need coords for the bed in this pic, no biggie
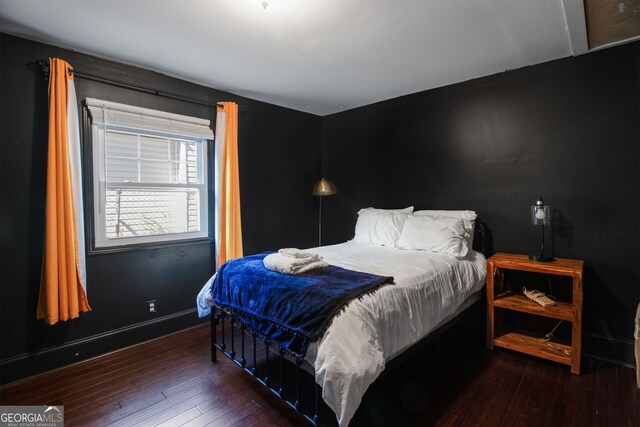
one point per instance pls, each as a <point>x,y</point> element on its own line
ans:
<point>429,290</point>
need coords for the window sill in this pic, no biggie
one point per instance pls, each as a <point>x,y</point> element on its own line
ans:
<point>147,246</point>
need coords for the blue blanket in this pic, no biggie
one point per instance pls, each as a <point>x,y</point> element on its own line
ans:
<point>290,311</point>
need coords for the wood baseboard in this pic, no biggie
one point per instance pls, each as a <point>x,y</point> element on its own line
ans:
<point>608,348</point>
<point>28,364</point>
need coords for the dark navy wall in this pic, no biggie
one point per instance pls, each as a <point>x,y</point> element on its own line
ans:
<point>567,130</point>
<point>279,160</point>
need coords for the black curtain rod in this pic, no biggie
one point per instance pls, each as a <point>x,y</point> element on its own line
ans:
<point>43,66</point>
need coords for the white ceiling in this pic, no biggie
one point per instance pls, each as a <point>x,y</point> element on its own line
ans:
<point>320,56</point>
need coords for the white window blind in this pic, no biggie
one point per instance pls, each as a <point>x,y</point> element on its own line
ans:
<point>127,116</point>
<point>149,175</point>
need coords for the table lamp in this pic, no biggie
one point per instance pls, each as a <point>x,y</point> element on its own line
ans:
<point>540,215</point>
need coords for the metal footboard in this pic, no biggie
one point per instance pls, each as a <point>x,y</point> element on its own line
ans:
<point>259,367</point>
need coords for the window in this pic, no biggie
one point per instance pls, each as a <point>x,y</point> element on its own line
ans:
<point>149,175</point>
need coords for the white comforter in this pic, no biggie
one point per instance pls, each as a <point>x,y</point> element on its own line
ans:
<point>429,289</point>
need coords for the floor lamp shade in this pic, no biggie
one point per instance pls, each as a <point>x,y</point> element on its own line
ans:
<point>321,188</point>
<point>324,187</point>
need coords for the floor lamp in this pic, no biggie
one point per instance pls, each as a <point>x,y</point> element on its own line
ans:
<point>322,188</point>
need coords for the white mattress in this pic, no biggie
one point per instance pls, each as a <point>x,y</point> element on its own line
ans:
<point>429,289</point>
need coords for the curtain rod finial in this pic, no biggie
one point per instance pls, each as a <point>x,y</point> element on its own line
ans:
<point>40,66</point>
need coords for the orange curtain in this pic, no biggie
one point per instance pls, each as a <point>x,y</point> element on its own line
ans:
<point>62,293</point>
<point>230,232</point>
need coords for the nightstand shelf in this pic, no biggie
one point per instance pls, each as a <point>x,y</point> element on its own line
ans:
<point>518,302</point>
<point>499,300</point>
<point>524,343</point>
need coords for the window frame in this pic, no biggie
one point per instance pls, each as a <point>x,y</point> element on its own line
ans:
<point>96,191</point>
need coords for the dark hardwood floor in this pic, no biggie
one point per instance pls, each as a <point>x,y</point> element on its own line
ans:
<point>172,382</point>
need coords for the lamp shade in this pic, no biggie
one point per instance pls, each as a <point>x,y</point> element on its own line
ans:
<point>324,187</point>
<point>540,213</point>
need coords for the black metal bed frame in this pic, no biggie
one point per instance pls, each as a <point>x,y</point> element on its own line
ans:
<point>219,317</point>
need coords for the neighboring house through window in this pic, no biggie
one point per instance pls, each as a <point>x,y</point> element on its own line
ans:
<point>149,175</point>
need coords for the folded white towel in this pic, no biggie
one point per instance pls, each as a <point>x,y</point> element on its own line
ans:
<point>316,264</point>
<point>297,253</point>
<point>288,265</point>
<point>291,262</point>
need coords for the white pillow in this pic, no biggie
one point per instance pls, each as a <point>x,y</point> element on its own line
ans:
<point>408,210</point>
<point>426,233</point>
<point>469,218</point>
<point>380,227</point>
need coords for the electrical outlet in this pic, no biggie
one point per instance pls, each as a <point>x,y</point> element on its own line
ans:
<point>152,307</point>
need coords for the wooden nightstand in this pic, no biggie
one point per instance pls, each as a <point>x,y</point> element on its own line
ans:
<point>571,311</point>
